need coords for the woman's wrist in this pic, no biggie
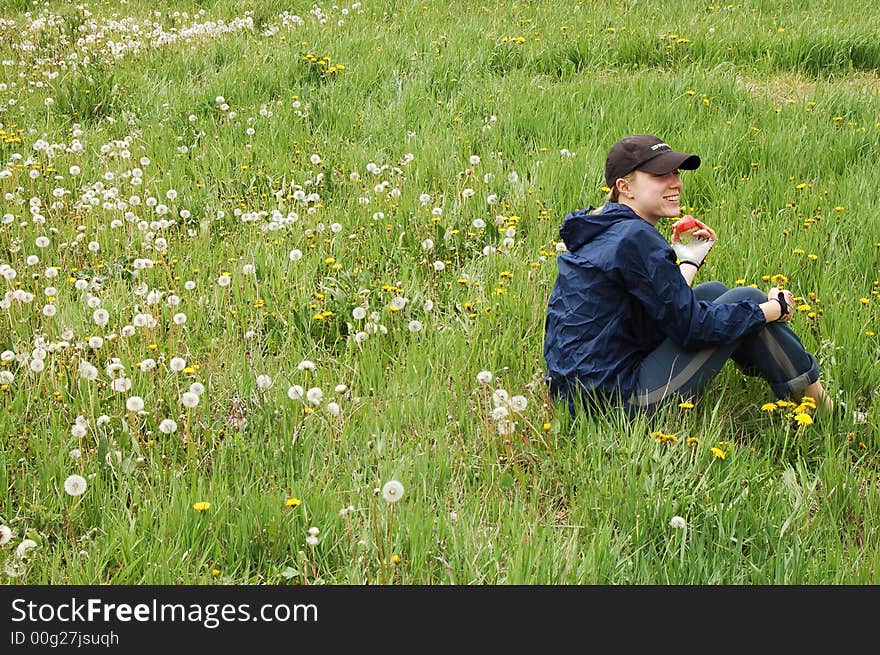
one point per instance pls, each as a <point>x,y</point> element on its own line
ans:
<point>772,309</point>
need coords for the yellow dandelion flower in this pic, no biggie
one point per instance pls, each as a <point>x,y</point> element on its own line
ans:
<point>202,506</point>
<point>803,419</point>
<point>768,407</point>
<point>395,559</point>
<point>215,572</point>
<point>693,442</point>
<point>719,454</point>
<point>686,405</point>
<point>864,301</point>
<point>292,502</point>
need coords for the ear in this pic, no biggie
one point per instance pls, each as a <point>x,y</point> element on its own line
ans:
<point>622,187</point>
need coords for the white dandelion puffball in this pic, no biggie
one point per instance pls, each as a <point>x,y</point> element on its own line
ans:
<point>677,523</point>
<point>101,317</point>
<point>78,431</point>
<point>484,377</point>
<point>518,403</point>
<point>5,534</point>
<point>177,364</point>
<point>168,426</point>
<point>189,399</point>
<point>87,371</point>
<point>392,491</point>
<point>22,549</point>
<point>499,397</point>
<point>179,318</point>
<point>500,413</point>
<point>295,255</point>
<point>306,365</point>
<point>121,385</point>
<point>415,326</point>
<point>75,453</point>
<point>505,427</point>
<point>75,485</point>
<point>197,388</point>
<point>295,392</point>
<point>315,395</point>
<point>264,382</point>
<point>359,313</point>
<point>134,404</point>
<point>224,280</point>
<point>333,408</point>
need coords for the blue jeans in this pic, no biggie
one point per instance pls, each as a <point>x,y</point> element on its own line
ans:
<point>775,354</point>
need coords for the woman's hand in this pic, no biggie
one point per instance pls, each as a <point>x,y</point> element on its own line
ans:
<point>695,228</point>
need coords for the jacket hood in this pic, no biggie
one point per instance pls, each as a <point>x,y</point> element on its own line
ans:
<point>581,226</point>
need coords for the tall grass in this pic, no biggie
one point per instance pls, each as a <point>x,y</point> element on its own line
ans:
<point>501,114</point>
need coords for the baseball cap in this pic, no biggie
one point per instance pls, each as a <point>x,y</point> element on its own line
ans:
<point>645,152</point>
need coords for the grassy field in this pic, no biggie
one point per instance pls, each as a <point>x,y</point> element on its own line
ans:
<point>264,260</point>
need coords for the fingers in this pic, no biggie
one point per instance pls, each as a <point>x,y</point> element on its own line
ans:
<point>706,233</point>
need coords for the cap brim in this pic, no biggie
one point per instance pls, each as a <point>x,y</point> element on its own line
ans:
<point>669,161</point>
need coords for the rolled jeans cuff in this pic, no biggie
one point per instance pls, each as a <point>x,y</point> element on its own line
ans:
<point>796,386</point>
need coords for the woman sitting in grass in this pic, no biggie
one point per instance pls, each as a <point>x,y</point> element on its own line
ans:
<point>624,325</point>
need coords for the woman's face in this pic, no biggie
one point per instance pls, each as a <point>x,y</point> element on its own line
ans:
<point>652,196</point>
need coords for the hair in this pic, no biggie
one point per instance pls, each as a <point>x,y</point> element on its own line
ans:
<point>613,193</point>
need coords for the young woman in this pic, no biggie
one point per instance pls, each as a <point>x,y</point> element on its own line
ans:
<point>624,325</point>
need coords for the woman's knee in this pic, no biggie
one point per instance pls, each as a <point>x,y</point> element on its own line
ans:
<point>738,294</point>
<point>709,290</point>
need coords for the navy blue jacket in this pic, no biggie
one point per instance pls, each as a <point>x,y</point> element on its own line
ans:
<point>618,294</point>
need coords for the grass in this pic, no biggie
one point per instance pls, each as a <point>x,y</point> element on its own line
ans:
<point>391,115</point>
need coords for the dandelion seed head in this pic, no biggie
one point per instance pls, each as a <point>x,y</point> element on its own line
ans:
<point>75,485</point>
<point>392,491</point>
<point>189,399</point>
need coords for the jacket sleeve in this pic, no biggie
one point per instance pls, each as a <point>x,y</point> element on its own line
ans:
<point>651,275</point>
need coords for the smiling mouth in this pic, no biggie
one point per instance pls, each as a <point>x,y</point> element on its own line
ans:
<point>671,198</point>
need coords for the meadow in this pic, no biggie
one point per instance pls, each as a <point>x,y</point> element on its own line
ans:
<point>275,276</point>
